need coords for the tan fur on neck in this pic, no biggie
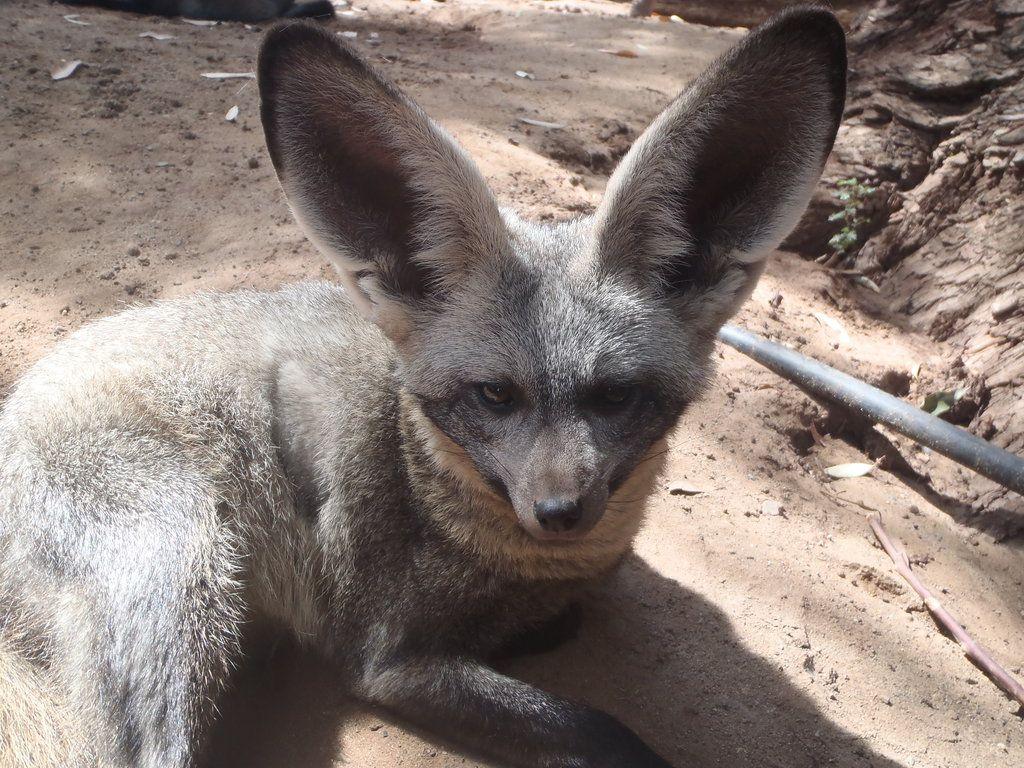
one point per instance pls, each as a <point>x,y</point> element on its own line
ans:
<point>458,497</point>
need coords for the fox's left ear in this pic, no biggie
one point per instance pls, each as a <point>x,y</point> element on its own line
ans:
<point>724,173</point>
<point>383,191</point>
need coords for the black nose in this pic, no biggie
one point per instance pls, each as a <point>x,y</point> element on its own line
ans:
<point>557,515</point>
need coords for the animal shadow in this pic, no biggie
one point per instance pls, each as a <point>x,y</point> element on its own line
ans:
<point>656,655</point>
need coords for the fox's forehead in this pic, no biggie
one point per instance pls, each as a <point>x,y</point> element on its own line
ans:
<point>550,319</point>
<point>555,248</point>
<point>552,294</point>
<point>566,301</point>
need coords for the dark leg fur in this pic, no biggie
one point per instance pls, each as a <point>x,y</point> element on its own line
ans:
<point>217,10</point>
<point>313,9</point>
<point>130,6</point>
<point>504,719</point>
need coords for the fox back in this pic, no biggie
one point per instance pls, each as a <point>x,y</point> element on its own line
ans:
<point>407,472</point>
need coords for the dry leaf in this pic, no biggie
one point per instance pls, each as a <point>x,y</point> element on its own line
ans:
<point>201,22</point>
<point>682,488</point>
<point>833,324</point>
<point>73,18</point>
<point>867,282</point>
<point>622,53</point>
<point>156,35</point>
<point>540,123</point>
<point>524,75</point>
<point>677,19</point>
<point>349,33</point>
<point>232,114</point>
<point>66,70</point>
<point>229,75</point>
<point>855,469</point>
<point>937,403</point>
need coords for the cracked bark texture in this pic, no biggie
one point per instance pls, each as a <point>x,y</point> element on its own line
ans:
<point>935,118</point>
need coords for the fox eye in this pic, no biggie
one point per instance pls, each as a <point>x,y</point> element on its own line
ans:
<point>495,396</point>
<point>614,395</point>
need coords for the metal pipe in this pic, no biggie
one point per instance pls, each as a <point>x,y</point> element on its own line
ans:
<point>958,444</point>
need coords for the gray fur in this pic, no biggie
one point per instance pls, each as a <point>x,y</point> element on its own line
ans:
<point>173,475</point>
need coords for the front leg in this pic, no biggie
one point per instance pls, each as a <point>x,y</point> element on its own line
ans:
<point>504,719</point>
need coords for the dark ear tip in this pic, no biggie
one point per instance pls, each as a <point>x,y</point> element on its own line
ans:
<point>799,20</point>
<point>816,29</point>
<point>813,25</point>
<point>298,40</point>
<point>287,34</point>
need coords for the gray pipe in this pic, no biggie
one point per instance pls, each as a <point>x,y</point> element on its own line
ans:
<point>961,446</point>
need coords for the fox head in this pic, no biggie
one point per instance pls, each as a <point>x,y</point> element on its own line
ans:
<point>552,357</point>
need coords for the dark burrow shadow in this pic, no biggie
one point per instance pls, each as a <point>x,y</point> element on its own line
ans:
<point>1003,521</point>
<point>1005,524</point>
<point>656,655</point>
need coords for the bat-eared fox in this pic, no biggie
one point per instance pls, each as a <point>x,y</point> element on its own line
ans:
<point>407,472</point>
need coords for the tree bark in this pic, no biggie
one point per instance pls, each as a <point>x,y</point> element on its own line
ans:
<point>935,119</point>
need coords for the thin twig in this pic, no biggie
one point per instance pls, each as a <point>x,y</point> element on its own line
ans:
<point>844,500</point>
<point>867,272</point>
<point>975,652</point>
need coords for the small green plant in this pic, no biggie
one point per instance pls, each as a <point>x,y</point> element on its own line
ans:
<point>853,194</point>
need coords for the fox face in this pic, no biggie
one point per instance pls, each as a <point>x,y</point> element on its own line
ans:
<point>551,360</point>
<point>554,375</point>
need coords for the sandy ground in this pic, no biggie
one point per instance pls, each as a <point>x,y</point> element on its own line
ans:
<point>732,637</point>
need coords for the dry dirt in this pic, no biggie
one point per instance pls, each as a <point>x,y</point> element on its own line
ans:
<point>731,638</point>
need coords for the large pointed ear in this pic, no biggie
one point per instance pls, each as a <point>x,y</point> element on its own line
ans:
<point>722,175</point>
<point>378,187</point>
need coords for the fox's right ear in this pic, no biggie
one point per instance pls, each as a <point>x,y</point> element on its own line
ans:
<point>379,187</point>
<point>722,175</point>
